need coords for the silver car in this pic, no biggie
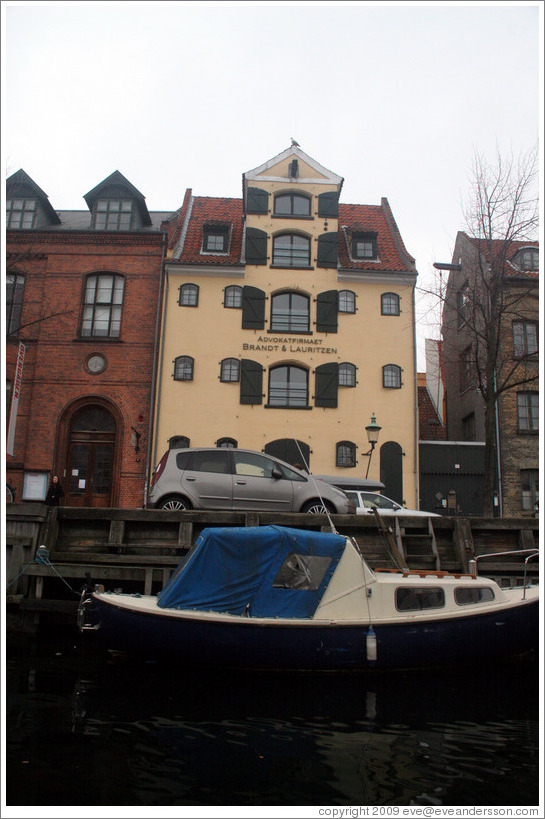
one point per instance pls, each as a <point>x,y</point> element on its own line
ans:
<point>239,479</point>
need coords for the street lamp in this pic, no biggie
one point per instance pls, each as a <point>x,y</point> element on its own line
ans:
<point>373,431</point>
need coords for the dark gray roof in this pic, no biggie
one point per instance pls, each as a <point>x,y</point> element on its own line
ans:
<point>81,220</point>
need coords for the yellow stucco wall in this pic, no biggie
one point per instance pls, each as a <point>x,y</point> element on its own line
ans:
<point>206,409</point>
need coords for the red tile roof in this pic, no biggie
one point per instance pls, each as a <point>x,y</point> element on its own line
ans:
<point>392,254</point>
<point>218,211</point>
<point>430,426</point>
<point>498,246</point>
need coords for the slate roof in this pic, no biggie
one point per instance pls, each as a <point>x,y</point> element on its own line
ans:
<point>79,220</point>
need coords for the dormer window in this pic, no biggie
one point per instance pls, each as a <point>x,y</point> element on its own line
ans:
<point>113,214</point>
<point>364,245</point>
<point>20,213</point>
<point>215,239</point>
<point>527,259</point>
<point>291,204</point>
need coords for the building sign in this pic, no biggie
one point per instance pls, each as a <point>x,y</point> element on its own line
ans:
<point>10,445</point>
<point>272,344</point>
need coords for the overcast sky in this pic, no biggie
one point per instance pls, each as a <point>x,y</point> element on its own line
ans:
<point>394,98</point>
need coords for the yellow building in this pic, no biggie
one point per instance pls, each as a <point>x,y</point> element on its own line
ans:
<point>288,321</point>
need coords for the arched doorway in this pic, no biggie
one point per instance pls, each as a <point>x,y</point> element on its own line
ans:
<point>290,451</point>
<point>91,454</point>
<point>391,470</point>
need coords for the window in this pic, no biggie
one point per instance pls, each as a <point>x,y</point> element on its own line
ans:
<point>15,285</point>
<point>178,442</point>
<point>232,296</point>
<point>466,369</point>
<point>474,594</point>
<point>347,301</point>
<point>290,313</point>
<point>20,213</point>
<point>291,250</point>
<point>227,443</point>
<point>364,245</point>
<point>291,204</point>
<point>189,295</point>
<point>529,479</point>
<point>347,375</point>
<point>389,304</point>
<point>462,304</point>
<point>391,377</point>
<point>210,461</point>
<point>251,463</point>
<point>528,259</point>
<point>113,214</point>
<point>468,427</point>
<point>215,239</point>
<point>346,454</point>
<point>524,339</point>
<point>303,572</point>
<point>102,306</point>
<point>288,387</point>
<point>528,411</point>
<point>183,368</point>
<point>416,599</point>
<point>230,370</point>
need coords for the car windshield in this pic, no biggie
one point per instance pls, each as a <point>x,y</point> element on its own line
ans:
<point>372,501</point>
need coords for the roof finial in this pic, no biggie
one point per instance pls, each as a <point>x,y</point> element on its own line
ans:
<point>294,143</point>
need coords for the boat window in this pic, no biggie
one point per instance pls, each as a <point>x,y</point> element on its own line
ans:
<point>304,572</point>
<point>414,598</point>
<point>465,596</point>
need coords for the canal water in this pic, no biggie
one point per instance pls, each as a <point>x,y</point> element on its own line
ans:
<point>85,727</point>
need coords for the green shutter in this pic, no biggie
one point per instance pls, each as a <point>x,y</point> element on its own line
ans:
<point>256,246</point>
<point>328,204</point>
<point>253,308</point>
<point>328,250</point>
<point>257,201</point>
<point>327,385</point>
<point>251,382</point>
<point>327,309</point>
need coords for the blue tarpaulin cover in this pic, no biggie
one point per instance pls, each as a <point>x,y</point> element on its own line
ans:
<point>261,571</point>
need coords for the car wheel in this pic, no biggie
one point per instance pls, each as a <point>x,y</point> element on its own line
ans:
<point>174,503</point>
<point>317,507</point>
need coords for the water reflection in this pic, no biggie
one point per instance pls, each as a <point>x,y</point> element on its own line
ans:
<point>99,729</point>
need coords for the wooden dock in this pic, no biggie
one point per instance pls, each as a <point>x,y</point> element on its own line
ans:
<point>137,550</point>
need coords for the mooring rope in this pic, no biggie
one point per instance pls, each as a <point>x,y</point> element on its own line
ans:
<point>43,557</point>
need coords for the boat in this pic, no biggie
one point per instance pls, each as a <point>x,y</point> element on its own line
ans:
<point>274,597</point>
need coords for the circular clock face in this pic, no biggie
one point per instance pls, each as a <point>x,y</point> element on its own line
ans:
<point>96,363</point>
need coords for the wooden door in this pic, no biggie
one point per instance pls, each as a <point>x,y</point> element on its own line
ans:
<point>90,459</point>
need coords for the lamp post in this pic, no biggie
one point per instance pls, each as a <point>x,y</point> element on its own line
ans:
<point>373,431</point>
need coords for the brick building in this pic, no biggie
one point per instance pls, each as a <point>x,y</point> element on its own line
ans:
<point>517,409</point>
<point>82,292</point>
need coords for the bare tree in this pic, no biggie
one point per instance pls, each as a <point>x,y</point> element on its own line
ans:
<point>489,290</point>
<point>15,261</point>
